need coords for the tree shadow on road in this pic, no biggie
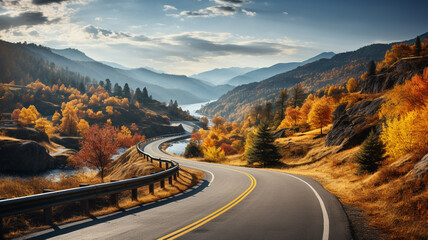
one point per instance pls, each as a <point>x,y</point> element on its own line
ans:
<point>71,227</point>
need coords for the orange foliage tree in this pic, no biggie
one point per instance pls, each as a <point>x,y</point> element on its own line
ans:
<point>293,114</point>
<point>28,115</point>
<point>320,114</point>
<point>351,86</point>
<point>98,146</point>
<point>69,120</point>
<point>45,126</point>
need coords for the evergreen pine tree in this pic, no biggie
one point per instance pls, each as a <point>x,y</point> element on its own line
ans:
<point>138,95</point>
<point>127,91</point>
<point>281,102</point>
<point>117,90</point>
<point>417,47</point>
<point>263,150</point>
<point>108,85</point>
<point>370,154</point>
<point>145,95</point>
<point>101,83</point>
<point>82,88</point>
<point>371,70</point>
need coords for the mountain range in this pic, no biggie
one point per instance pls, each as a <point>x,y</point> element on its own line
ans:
<point>267,72</point>
<point>221,75</point>
<point>162,87</point>
<point>312,76</point>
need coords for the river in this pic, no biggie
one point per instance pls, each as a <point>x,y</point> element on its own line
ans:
<point>178,147</point>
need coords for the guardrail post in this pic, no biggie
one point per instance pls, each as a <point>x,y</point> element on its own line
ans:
<point>160,164</point>
<point>162,183</point>
<point>170,180</point>
<point>151,159</point>
<point>166,165</point>
<point>134,194</point>
<point>152,189</point>
<point>2,232</point>
<point>175,176</point>
<point>84,203</point>
<point>47,212</point>
<point>114,198</point>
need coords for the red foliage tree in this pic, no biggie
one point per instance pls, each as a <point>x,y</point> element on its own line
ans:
<point>98,146</point>
<point>227,149</point>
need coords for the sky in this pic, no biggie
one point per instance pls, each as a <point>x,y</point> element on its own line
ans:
<point>191,36</point>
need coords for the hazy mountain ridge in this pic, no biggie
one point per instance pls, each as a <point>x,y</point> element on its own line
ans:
<point>313,76</point>
<point>72,54</point>
<point>264,73</point>
<point>221,75</point>
<point>162,86</point>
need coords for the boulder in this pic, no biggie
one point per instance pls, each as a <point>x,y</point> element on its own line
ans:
<point>68,142</point>
<point>420,168</point>
<point>26,133</point>
<point>350,127</point>
<point>24,157</point>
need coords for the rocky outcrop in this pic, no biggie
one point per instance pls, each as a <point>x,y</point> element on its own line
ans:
<point>26,157</point>
<point>68,142</point>
<point>395,75</point>
<point>420,168</point>
<point>26,133</point>
<point>351,127</point>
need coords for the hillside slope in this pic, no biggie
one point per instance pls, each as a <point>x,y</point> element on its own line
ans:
<point>313,76</point>
<point>267,72</point>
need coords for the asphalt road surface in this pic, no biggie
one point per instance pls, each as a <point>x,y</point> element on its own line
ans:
<point>229,203</point>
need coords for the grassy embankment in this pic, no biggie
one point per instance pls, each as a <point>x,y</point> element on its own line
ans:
<point>126,166</point>
<point>391,199</point>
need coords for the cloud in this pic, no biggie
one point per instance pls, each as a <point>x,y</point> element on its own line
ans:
<point>45,2</point>
<point>169,7</point>
<point>97,32</point>
<point>285,13</point>
<point>232,2</point>
<point>249,13</point>
<point>23,19</point>
<point>209,12</point>
<point>34,33</point>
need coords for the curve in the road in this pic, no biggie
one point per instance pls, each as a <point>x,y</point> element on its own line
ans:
<point>215,214</point>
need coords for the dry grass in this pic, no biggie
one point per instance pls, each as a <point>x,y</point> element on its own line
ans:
<point>128,165</point>
<point>395,203</point>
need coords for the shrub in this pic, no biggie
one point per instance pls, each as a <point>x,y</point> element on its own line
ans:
<point>213,154</point>
<point>193,150</point>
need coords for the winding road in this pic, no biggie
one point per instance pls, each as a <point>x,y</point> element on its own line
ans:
<point>229,203</point>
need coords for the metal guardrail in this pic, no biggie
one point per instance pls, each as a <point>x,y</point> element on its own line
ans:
<point>46,201</point>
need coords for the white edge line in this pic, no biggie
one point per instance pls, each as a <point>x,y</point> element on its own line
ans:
<point>323,209</point>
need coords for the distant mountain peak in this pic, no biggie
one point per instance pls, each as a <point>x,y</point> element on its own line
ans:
<point>73,54</point>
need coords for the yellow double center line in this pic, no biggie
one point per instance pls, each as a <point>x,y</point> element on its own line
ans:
<point>217,213</point>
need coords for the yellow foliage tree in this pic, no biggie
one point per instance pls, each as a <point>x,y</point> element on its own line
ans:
<point>351,86</point>
<point>56,118</point>
<point>45,126</point>
<point>320,114</point>
<point>109,110</point>
<point>406,134</point>
<point>28,115</point>
<point>213,154</point>
<point>82,126</point>
<point>69,120</point>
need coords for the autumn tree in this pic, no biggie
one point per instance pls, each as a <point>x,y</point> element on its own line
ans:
<point>56,118</point>
<point>293,114</point>
<point>263,149</point>
<point>82,126</point>
<point>213,154</point>
<point>371,154</point>
<point>15,114</point>
<point>351,86</point>
<point>97,148</point>
<point>28,115</point>
<point>297,95</point>
<point>320,114</point>
<point>69,120</point>
<point>44,125</point>
<point>217,121</point>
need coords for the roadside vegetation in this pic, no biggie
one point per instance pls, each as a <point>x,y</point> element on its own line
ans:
<point>380,166</point>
